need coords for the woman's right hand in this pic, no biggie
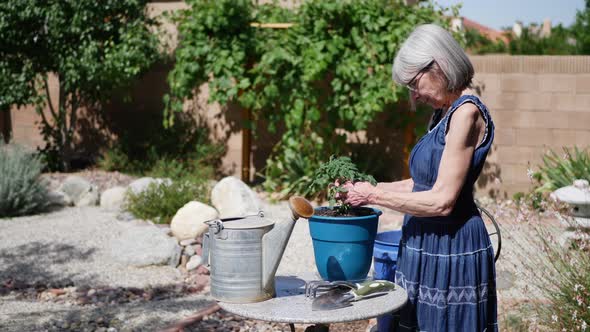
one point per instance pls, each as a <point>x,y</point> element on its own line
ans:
<point>340,195</point>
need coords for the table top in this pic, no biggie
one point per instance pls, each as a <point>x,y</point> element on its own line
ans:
<point>291,306</point>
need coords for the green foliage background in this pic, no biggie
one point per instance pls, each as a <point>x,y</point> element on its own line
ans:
<point>92,48</point>
<point>333,67</point>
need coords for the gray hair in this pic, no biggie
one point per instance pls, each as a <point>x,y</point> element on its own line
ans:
<point>428,43</point>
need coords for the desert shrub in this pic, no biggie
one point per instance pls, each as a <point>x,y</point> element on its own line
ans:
<point>564,282</point>
<point>553,268</point>
<point>560,171</point>
<point>175,152</point>
<point>556,171</point>
<point>22,192</point>
<point>160,202</point>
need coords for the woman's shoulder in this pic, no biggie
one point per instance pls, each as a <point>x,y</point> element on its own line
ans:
<point>470,108</point>
<point>469,98</point>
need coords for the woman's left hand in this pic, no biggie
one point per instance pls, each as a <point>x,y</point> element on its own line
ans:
<point>360,193</point>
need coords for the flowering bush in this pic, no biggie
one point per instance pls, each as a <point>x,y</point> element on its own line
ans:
<point>557,270</point>
<point>567,287</point>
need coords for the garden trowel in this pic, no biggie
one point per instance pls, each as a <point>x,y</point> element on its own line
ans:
<point>343,297</point>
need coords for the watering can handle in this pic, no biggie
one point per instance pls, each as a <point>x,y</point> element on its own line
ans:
<point>205,252</point>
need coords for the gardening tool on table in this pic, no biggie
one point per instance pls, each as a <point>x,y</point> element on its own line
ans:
<point>341,294</point>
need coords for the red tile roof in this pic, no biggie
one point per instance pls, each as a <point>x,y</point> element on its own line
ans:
<point>486,31</point>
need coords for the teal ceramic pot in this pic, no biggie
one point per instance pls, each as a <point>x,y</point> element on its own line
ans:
<point>343,246</point>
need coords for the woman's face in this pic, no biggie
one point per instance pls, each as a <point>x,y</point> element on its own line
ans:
<point>429,89</point>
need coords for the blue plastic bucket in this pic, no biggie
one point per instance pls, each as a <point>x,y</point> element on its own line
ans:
<point>343,246</point>
<point>384,264</point>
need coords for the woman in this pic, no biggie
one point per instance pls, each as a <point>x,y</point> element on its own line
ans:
<point>446,260</point>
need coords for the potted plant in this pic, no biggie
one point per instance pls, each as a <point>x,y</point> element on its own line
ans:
<point>343,236</point>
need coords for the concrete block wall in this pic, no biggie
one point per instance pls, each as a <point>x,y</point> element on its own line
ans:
<point>537,103</point>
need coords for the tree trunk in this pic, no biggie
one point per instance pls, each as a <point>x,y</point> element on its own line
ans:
<point>6,124</point>
<point>64,141</point>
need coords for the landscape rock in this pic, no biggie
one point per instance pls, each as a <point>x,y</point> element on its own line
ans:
<point>189,251</point>
<point>188,222</point>
<point>91,198</point>
<point>188,242</point>
<point>79,191</point>
<point>113,199</point>
<point>233,198</point>
<point>142,184</point>
<point>58,198</point>
<point>194,262</point>
<point>143,246</point>
<point>125,216</point>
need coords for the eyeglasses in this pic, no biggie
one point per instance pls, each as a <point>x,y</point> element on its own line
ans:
<point>413,84</point>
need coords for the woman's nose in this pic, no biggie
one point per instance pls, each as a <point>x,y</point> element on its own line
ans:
<point>414,95</point>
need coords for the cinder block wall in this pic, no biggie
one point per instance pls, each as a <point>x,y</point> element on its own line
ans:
<point>537,103</point>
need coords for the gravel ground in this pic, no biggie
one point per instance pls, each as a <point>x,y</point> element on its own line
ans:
<point>56,273</point>
<point>70,247</point>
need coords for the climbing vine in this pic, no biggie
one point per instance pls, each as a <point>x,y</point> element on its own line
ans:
<point>331,70</point>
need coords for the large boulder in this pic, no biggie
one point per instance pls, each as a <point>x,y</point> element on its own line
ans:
<point>113,198</point>
<point>79,191</point>
<point>59,199</point>
<point>188,223</point>
<point>233,198</point>
<point>144,245</point>
<point>141,184</point>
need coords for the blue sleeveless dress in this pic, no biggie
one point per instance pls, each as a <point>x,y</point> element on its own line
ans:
<point>446,264</point>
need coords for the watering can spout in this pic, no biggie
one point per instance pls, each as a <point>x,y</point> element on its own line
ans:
<point>275,241</point>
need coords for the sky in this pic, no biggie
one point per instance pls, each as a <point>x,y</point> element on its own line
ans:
<point>499,14</point>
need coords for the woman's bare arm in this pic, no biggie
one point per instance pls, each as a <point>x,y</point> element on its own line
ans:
<point>404,186</point>
<point>464,131</point>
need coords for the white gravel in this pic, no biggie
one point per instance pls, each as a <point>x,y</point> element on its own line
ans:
<point>70,248</point>
<point>71,245</point>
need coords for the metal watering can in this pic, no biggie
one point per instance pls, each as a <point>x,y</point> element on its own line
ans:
<point>243,253</point>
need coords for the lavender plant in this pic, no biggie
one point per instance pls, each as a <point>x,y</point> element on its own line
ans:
<point>21,190</point>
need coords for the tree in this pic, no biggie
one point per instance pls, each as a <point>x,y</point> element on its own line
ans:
<point>530,43</point>
<point>581,29</point>
<point>91,47</point>
<point>477,43</point>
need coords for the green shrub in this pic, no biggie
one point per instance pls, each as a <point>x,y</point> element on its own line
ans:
<point>175,152</point>
<point>560,171</point>
<point>290,173</point>
<point>160,202</point>
<point>21,190</point>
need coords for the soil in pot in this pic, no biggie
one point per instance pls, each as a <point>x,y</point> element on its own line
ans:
<point>352,212</point>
